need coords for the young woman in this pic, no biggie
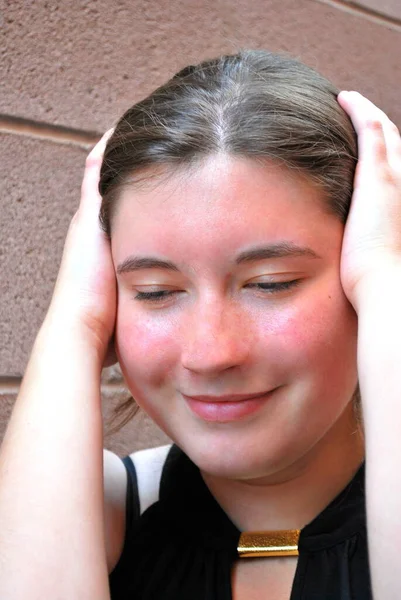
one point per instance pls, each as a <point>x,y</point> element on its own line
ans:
<point>249,302</point>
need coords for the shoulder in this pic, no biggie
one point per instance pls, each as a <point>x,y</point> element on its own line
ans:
<point>131,485</point>
<point>148,465</point>
<point>141,471</point>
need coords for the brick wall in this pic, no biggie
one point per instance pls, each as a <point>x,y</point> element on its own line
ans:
<point>70,68</point>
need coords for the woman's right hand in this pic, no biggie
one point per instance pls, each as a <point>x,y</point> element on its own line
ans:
<point>84,296</point>
<point>57,421</point>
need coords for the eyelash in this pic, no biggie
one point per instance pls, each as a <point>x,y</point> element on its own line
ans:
<point>272,289</point>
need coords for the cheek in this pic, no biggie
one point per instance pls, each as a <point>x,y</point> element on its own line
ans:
<point>317,336</point>
<point>145,345</point>
<point>321,337</point>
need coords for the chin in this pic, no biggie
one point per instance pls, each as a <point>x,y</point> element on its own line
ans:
<point>238,458</point>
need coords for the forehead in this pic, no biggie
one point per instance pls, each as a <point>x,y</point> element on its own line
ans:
<point>224,199</point>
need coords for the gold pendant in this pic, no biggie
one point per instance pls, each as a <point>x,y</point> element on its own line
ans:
<point>253,544</point>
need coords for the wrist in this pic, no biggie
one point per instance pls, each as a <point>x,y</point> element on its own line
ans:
<point>65,337</point>
<point>381,288</point>
<point>62,361</point>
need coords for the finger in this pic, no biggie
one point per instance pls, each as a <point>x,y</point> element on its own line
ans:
<point>393,144</point>
<point>392,139</point>
<point>90,196</point>
<point>367,120</point>
<point>372,160</point>
<point>98,148</point>
<point>362,112</point>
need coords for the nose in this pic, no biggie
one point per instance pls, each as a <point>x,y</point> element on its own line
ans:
<point>216,338</point>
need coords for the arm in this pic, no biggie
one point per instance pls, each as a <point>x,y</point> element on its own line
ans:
<point>52,542</point>
<point>371,279</point>
<point>51,484</point>
<point>379,367</point>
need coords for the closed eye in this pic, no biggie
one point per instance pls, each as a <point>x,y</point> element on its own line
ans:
<point>264,287</point>
<point>271,288</point>
<point>155,296</point>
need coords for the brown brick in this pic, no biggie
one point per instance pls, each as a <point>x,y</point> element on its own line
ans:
<point>83,64</point>
<point>41,185</point>
<point>112,375</point>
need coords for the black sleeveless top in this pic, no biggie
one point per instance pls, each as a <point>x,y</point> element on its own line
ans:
<point>183,546</point>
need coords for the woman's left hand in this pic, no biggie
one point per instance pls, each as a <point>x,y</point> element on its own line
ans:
<point>371,248</point>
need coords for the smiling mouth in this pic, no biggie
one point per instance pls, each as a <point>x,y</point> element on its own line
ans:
<point>227,397</point>
<point>223,409</point>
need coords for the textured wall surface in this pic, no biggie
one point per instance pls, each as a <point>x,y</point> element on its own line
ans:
<point>68,71</point>
<point>389,8</point>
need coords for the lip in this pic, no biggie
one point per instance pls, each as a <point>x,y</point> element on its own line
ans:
<point>224,409</point>
<point>227,398</point>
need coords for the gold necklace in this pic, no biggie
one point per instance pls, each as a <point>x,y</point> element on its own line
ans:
<point>253,544</point>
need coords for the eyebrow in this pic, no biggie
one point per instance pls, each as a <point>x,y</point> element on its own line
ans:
<point>137,263</point>
<point>278,250</point>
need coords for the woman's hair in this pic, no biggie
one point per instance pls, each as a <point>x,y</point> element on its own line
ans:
<point>253,104</point>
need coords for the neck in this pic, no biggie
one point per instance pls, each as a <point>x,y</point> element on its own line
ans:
<point>298,493</point>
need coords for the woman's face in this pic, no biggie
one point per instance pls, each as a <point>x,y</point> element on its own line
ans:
<point>206,308</point>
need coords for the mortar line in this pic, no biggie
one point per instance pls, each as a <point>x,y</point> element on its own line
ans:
<point>58,134</point>
<point>366,13</point>
<point>11,385</point>
<point>114,386</point>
